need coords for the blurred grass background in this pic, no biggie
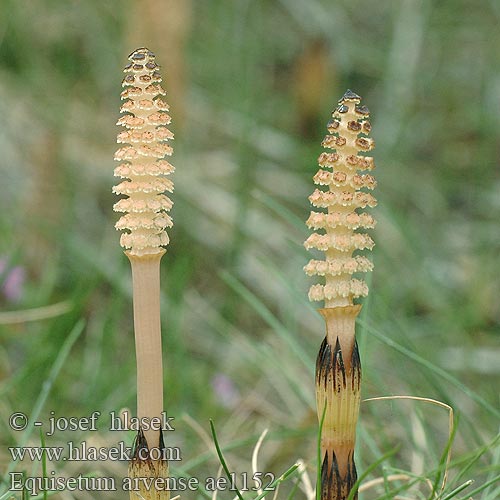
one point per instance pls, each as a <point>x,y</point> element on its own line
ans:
<point>251,85</point>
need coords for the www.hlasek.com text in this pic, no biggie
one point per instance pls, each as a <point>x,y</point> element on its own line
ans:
<point>82,452</point>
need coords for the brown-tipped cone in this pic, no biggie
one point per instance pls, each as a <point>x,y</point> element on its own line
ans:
<point>142,165</point>
<point>343,197</point>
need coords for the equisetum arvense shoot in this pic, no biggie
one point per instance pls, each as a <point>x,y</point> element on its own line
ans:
<point>340,225</point>
<point>144,170</point>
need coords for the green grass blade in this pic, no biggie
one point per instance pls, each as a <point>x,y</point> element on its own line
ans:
<point>471,494</point>
<point>221,458</point>
<point>46,387</point>
<point>433,368</point>
<point>269,318</point>
<point>44,462</point>
<point>319,458</point>
<point>294,490</point>
<point>373,466</point>
<point>277,481</point>
<point>472,460</point>
<point>442,472</point>
<point>457,490</point>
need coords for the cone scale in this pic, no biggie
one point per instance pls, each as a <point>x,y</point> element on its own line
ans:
<point>342,199</point>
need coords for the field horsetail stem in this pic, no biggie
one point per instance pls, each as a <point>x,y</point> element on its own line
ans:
<point>338,368</point>
<point>143,169</point>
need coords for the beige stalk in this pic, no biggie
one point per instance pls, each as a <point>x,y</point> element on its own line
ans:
<point>338,368</point>
<point>144,221</point>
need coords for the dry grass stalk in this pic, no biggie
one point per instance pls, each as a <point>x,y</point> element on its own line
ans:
<point>145,220</point>
<point>338,368</point>
<point>451,432</point>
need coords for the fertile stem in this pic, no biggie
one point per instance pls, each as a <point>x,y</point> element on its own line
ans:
<point>338,367</point>
<point>147,327</point>
<point>338,378</point>
<point>145,219</point>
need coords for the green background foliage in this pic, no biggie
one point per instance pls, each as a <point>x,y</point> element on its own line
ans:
<point>252,85</point>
